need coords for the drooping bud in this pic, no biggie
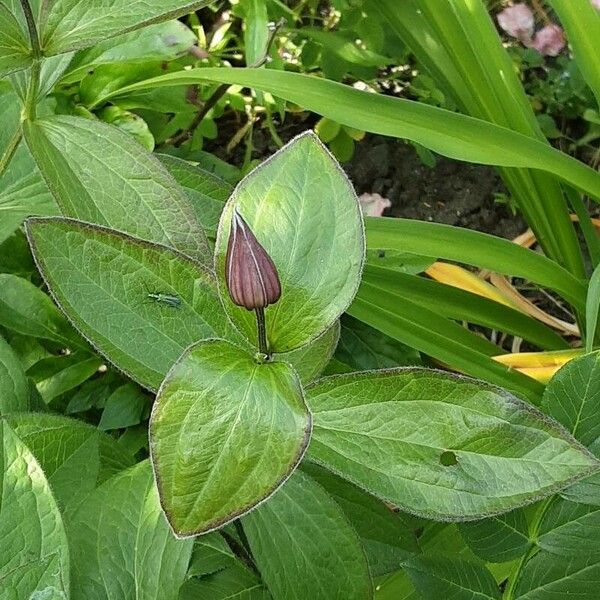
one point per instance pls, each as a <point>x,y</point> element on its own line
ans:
<point>250,274</point>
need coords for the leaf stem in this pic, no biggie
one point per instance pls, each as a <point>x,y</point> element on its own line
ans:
<point>10,150</point>
<point>533,548</point>
<point>263,347</point>
<point>36,52</point>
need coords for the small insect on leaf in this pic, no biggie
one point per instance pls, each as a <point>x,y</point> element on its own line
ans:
<point>168,299</point>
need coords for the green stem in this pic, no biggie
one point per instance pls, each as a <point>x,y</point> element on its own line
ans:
<point>509,592</point>
<point>36,52</point>
<point>10,150</point>
<point>263,348</point>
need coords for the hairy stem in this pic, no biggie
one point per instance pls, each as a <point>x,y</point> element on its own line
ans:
<point>263,347</point>
<point>36,52</point>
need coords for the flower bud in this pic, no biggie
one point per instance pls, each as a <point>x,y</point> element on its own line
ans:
<point>250,274</point>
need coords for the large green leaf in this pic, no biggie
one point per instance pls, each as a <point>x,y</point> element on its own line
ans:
<point>34,555</point>
<point>100,175</point>
<point>447,133</point>
<point>70,24</point>
<point>101,279</point>
<point>207,192</point>
<point>441,577</point>
<point>14,389</point>
<point>161,42</point>
<point>75,456</point>
<point>304,546</point>
<point>303,210</point>
<point>573,398</point>
<point>225,433</point>
<point>233,583</point>
<point>121,543</point>
<point>438,445</point>
<point>386,538</point>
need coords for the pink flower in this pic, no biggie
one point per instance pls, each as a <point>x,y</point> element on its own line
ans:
<point>517,21</point>
<point>548,41</point>
<point>596,3</point>
<point>373,205</point>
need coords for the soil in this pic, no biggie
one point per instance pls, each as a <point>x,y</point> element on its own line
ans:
<point>451,192</point>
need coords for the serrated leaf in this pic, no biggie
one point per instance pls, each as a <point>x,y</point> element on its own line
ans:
<point>225,432</point>
<point>14,388</point>
<point>75,456</point>
<point>303,210</point>
<point>162,41</point>
<point>498,539</point>
<point>387,540</point>
<point>439,445</point>
<point>573,398</point>
<point>100,175</point>
<point>207,192</point>
<point>451,579</point>
<point>34,555</point>
<point>305,547</point>
<point>122,546</point>
<point>101,279</point>
<point>70,24</point>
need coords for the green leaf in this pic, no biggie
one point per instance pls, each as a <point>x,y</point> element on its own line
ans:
<point>101,279</point>
<point>55,375</point>
<point>70,24</point>
<point>303,210</point>
<point>437,577</point>
<point>161,42</point>
<point>100,175</point>
<point>206,192</point>
<point>474,248</point>
<point>586,491</point>
<point>386,539</point>
<point>550,577</point>
<point>438,445</point>
<point>363,348</point>
<point>34,555</point>
<point>304,547</point>
<point>573,398</point>
<point>445,340</point>
<point>461,305</point>
<point>570,529</point>
<point>122,544</point>
<point>592,306</point>
<point>233,583</point>
<point>23,192</point>
<point>211,554</point>
<point>124,408</point>
<point>74,456</point>
<point>14,388</point>
<point>225,433</point>
<point>310,360</point>
<point>15,53</point>
<point>256,34</point>
<point>498,539</point>
<point>24,308</point>
<point>445,132</point>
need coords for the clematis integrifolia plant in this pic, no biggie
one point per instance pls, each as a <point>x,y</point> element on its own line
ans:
<point>251,277</point>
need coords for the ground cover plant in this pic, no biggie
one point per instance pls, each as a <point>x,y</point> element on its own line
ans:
<point>228,381</point>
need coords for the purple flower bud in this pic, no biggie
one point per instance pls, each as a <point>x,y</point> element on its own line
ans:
<point>250,274</point>
<point>517,21</point>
